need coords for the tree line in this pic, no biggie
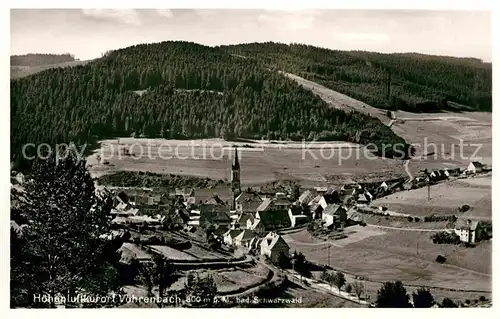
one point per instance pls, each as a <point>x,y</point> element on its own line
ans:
<point>36,59</point>
<point>176,90</point>
<point>412,82</point>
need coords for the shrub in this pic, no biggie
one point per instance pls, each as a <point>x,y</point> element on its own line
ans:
<point>445,238</point>
<point>482,298</point>
<point>417,219</point>
<point>410,219</point>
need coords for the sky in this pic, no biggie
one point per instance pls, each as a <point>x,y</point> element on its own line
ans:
<point>87,33</point>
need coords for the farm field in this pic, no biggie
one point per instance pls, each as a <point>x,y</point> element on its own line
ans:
<point>446,198</point>
<point>393,256</point>
<point>446,130</point>
<point>316,165</point>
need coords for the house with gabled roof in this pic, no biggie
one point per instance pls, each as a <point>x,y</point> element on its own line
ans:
<point>296,216</point>
<point>306,197</point>
<point>248,202</point>
<point>267,204</point>
<point>466,230</point>
<point>335,215</point>
<point>315,208</point>
<point>474,168</point>
<point>228,237</point>
<point>273,245</point>
<point>271,220</point>
<point>214,214</point>
<point>243,219</point>
<point>243,238</point>
<point>365,198</point>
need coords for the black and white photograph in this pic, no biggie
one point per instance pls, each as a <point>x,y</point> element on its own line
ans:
<point>250,158</point>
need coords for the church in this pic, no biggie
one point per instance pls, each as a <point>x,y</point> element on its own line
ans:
<point>235,178</point>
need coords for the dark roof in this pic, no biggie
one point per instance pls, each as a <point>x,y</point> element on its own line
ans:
<point>214,213</point>
<point>247,197</point>
<point>275,219</point>
<point>296,210</point>
<point>331,198</point>
<point>265,205</point>
<point>477,164</point>
<point>233,232</point>
<point>244,217</point>
<point>332,209</point>
<point>249,201</point>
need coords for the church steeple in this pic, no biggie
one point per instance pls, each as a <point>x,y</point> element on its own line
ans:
<point>236,163</point>
<point>235,177</point>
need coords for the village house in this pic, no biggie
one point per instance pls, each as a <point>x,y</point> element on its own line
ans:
<point>215,215</point>
<point>244,219</point>
<point>244,238</point>
<point>280,201</point>
<point>296,216</point>
<point>315,207</point>
<point>334,215</point>
<point>273,245</point>
<point>365,198</point>
<point>306,197</point>
<point>466,230</point>
<point>474,168</point>
<point>247,202</point>
<point>228,237</point>
<point>270,220</point>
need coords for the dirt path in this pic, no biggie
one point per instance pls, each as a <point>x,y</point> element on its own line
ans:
<point>410,229</point>
<point>339,100</point>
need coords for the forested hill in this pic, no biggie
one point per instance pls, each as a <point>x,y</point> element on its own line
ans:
<point>37,59</point>
<point>419,83</point>
<point>191,91</point>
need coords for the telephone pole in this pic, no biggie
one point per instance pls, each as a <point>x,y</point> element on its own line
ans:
<point>329,255</point>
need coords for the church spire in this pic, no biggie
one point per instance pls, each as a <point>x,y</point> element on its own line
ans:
<point>236,163</point>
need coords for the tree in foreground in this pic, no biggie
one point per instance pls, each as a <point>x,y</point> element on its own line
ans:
<point>200,291</point>
<point>348,288</point>
<point>63,251</point>
<point>358,288</point>
<point>422,298</point>
<point>339,280</point>
<point>448,303</point>
<point>393,295</point>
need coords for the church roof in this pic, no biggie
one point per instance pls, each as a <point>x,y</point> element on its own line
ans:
<point>236,163</point>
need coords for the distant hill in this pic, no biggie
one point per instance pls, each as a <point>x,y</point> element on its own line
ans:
<point>419,82</point>
<point>37,59</point>
<point>17,71</point>
<point>192,91</point>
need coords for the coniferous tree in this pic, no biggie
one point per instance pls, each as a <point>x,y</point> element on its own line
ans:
<point>63,250</point>
<point>393,295</point>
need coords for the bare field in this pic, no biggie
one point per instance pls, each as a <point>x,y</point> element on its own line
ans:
<point>312,166</point>
<point>393,256</point>
<point>445,199</point>
<point>445,129</point>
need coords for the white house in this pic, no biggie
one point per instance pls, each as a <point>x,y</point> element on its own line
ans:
<point>466,229</point>
<point>334,214</point>
<point>228,237</point>
<point>273,245</point>
<point>474,168</point>
<point>244,238</point>
<point>296,216</point>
